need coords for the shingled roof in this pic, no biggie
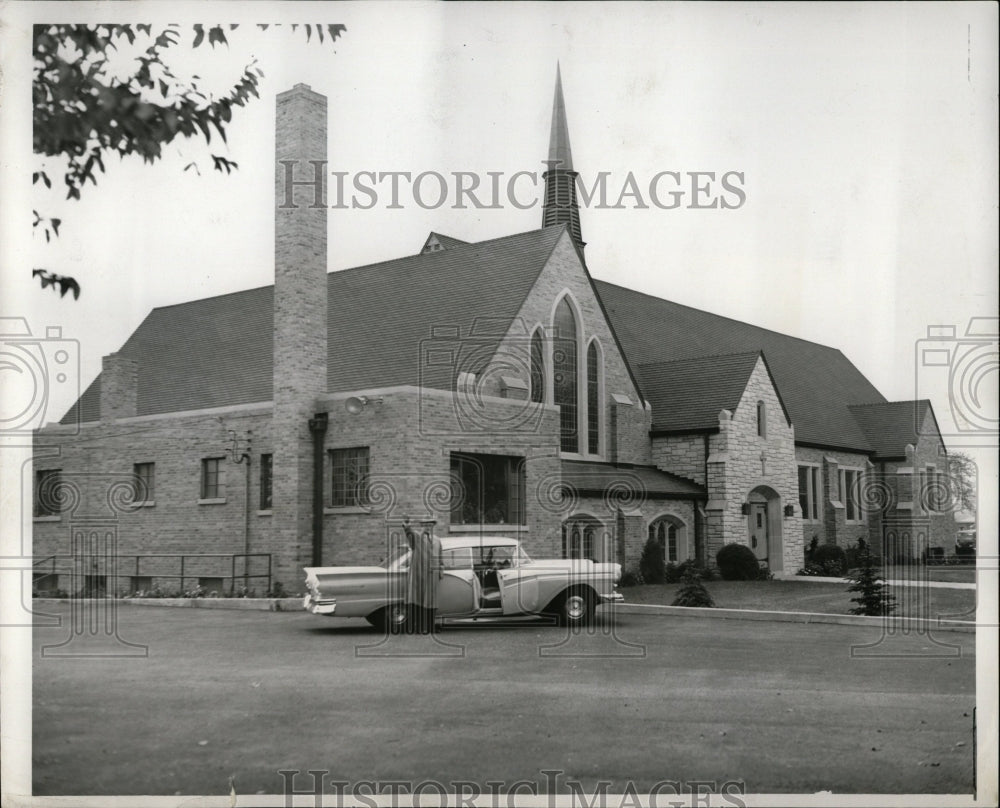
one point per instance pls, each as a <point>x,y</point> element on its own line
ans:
<point>687,395</point>
<point>219,351</point>
<point>817,383</point>
<point>892,425</point>
<point>631,482</point>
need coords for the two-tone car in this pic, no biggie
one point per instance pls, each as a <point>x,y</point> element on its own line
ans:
<point>477,578</point>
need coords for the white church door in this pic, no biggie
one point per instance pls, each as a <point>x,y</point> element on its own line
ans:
<point>758,529</point>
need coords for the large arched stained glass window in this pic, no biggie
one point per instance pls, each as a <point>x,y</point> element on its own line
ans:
<point>593,400</point>
<point>564,374</point>
<point>537,367</point>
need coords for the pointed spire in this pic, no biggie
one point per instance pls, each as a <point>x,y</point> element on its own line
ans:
<point>560,153</point>
<point>560,205</point>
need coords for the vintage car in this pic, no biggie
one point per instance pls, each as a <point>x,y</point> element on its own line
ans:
<point>478,577</point>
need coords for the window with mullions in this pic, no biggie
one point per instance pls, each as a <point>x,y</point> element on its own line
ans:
<point>266,469</point>
<point>487,490</point>
<point>47,483</point>
<point>809,492</point>
<point>593,400</point>
<point>537,367</point>
<point>350,477</point>
<point>564,376</point>
<point>212,483</point>
<point>850,492</point>
<point>144,482</point>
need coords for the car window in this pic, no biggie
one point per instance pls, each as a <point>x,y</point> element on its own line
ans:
<point>460,558</point>
<point>497,556</point>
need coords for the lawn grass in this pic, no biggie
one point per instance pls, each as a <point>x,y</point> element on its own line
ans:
<point>812,596</point>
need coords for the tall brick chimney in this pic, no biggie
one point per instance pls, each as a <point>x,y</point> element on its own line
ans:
<point>300,312</point>
<point>119,387</point>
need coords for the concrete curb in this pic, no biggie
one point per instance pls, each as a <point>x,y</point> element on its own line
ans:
<point>239,604</point>
<point>823,579</point>
<point>903,625</point>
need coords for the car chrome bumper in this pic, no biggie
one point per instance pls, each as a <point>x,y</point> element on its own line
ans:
<point>319,606</point>
<point>614,597</point>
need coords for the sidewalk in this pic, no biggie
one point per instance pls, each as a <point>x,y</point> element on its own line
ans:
<point>902,582</point>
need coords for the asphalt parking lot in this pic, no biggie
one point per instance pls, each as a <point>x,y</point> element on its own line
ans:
<point>641,699</point>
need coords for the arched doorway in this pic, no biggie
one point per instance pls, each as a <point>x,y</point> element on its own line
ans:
<point>764,518</point>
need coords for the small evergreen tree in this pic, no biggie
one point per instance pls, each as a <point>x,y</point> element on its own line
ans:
<point>693,592</point>
<point>651,565</point>
<point>874,598</point>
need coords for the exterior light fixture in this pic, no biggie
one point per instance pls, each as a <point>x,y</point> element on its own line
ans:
<point>355,404</point>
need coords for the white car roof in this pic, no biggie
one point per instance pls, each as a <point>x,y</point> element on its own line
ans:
<point>454,542</point>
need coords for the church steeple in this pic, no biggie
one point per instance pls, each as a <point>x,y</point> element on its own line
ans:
<point>560,206</point>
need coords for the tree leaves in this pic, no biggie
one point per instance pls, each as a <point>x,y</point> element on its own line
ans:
<point>84,109</point>
<point>61,282</point>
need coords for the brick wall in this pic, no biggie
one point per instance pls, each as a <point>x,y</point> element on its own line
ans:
<point>833,527</point>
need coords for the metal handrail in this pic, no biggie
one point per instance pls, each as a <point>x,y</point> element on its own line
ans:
<point>184,570</point>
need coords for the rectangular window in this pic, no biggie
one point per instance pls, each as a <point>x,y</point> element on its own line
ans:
<point>212,484</point>
<point>47,492</point>
<point>266,467</point>
<point>350,477</point>
<point>144,480</point>
<point>809,498</point>
<point>850,491</point>
<point>487,489</point>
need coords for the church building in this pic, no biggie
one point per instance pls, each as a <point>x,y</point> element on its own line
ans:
<point>495,387</point>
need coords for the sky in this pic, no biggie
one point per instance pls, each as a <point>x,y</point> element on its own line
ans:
<point>865,136</point>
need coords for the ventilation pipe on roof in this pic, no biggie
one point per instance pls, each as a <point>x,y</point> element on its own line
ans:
<point>317,428</point>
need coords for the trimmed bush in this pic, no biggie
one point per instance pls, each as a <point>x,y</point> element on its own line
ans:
<point>737,562</point>
<point>651,565</point>
<point>693,594</point>
<point>631,578</point>
<point>831,558</point>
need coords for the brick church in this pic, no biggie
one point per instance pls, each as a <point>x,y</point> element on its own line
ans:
<point>495,387</point>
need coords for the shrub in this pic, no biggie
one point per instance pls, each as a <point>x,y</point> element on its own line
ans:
<point>691,565</point>
<point>811,569</point>
<point>737,562</point>
<point>874,598</point>
<point>631,578</point>
<point>693,593</point>
<point>651,564</point>
<point>831,558</point>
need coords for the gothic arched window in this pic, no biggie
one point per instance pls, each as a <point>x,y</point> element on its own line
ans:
<point>593,399</point>
<point>564,376</point>
<point>537,367</point>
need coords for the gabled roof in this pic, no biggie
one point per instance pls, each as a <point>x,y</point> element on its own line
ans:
<point>219,351</point>
<point>686,395</point>
<point>892,425</point>
<point>436,242</point>
<point>633,482</point>
<point>817,383</point>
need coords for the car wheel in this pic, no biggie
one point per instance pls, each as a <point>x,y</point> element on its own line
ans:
<point>394,619</point>
<point>577,609</point>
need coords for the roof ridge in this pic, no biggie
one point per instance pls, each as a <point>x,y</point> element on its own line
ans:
<point>440,253</point>
<point>756,353</point>
<point>721,316</point>
<point>887,403</point>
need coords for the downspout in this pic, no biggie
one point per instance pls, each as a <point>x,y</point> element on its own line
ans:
<point>246,527</point>
<point>317,427</point>
<point>706,440</point>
